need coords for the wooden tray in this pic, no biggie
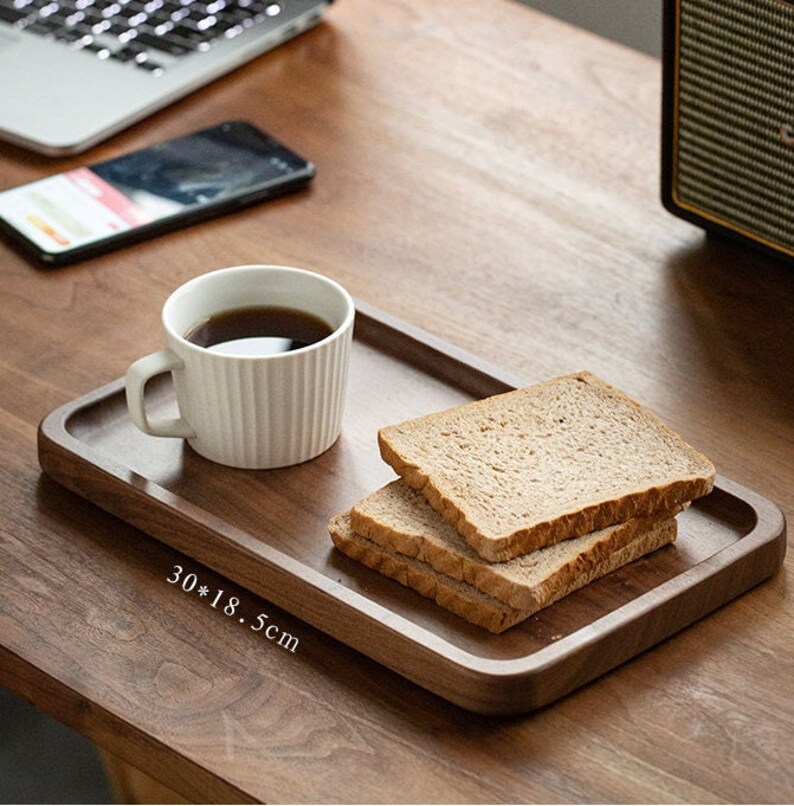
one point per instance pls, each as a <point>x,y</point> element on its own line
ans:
<point>266,530</point>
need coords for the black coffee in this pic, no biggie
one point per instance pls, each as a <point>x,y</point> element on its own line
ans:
<point>259,330</point>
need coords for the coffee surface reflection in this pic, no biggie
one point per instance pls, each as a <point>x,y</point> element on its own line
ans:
<point>259,331</point>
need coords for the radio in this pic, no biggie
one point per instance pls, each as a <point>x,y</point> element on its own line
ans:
<point>728,118</point>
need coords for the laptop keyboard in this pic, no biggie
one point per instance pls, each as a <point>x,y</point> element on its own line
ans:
<point>148,34</point>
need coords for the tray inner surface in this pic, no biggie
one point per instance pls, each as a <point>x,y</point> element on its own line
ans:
<point>288,509</point>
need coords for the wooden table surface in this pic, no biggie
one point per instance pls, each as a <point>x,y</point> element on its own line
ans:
<point>488,174</point>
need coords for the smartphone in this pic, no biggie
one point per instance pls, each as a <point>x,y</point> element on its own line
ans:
<point>96,208</point>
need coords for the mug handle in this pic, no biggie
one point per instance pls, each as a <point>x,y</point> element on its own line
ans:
<point>137,376</point>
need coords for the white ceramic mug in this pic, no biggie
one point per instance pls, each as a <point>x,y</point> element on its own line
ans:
<point>247,411</point>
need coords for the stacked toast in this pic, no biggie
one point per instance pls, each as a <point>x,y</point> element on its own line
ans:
<point>507,504</point>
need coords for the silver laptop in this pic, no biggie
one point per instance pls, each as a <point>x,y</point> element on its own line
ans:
<point>73,72</point>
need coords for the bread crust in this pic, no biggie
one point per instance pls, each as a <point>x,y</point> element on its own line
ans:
<point>500,546</point>
<point>473,606</point>
<point>428,538</point>
<point>465,600</point>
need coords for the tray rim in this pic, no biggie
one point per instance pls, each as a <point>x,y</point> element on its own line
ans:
<point>769,530</point>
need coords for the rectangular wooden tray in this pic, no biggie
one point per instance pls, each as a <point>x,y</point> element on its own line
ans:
<point>266,530</point>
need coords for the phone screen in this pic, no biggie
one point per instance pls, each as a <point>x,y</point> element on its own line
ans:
<point>173,181</point>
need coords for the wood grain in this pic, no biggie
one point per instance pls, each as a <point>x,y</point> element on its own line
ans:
<point>492,178</point>
<point>130,785</point>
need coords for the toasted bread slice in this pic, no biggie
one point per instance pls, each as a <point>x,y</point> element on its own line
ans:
<point>556,460</point>
<point>464,599</point>
<point>400,519</point>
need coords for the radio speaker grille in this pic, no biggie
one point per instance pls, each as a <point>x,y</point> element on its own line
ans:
<point>733,112</point>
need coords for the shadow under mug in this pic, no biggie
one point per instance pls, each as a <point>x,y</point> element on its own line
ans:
<point>248,411</point>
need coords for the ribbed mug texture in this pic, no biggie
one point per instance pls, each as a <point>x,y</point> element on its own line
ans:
<point>265,413</point>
